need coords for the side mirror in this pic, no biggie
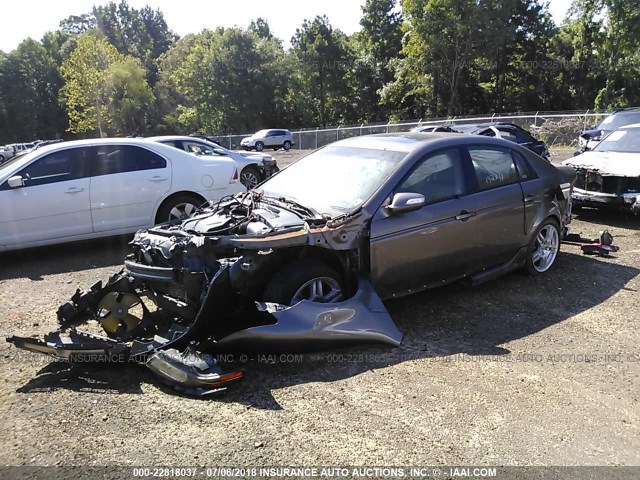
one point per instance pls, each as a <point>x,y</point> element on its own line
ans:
<point>405,202</point>
<point>16,182</point>
<point>219,151</point>
<point>592,127</point>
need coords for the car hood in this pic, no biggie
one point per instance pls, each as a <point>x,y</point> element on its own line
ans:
<point>611,163</point>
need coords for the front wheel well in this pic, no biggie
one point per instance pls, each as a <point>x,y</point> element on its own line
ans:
<point>339,261</point>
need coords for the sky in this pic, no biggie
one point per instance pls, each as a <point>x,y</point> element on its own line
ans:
<point>33,18</point>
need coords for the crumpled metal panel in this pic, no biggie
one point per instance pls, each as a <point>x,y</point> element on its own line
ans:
<point>361,318</point>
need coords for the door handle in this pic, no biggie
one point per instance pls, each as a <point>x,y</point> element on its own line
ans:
<point>158,179</point>
<point>465,215</point>
<point>530,198</point>
<point>73,190</point>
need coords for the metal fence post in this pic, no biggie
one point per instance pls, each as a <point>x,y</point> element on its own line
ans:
<point>338,133</point>
<point>585,120</point>
<point>317,137</point>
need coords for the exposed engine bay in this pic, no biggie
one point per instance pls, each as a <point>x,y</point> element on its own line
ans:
<point>200,286</point>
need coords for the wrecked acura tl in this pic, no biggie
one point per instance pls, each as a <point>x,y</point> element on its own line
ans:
<point>609,175</point>
<point>303,260</point>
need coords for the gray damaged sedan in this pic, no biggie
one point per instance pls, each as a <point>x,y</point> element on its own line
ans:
<point>304,260</point>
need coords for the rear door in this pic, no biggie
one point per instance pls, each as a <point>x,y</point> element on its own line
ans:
<point>53,203</point>
<point>127,182</point>
<point>430,246</point>
<point>500,204</point>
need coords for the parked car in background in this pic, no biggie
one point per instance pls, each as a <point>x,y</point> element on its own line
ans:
<point>432,128</point>
<point>507,131</point>
<point>253,167</point>
<point>588,139</point>
<point>275,138</point>
<point>93,188</point>
<point>609,174</point>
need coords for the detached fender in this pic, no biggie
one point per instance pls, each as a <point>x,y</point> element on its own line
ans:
<point>361,318</point>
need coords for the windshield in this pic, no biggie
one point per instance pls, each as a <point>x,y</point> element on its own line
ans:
<point>17,158</point>
<point>334,180</point>
<point>622,140</point>
<point>616,120</point>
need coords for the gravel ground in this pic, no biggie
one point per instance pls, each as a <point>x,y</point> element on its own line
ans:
<point>518,371</point>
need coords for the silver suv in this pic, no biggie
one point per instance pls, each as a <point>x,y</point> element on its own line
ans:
<point>268,139</point>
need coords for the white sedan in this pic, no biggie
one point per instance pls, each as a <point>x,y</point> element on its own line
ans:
<point>254,167</point>
<point>94,188</point>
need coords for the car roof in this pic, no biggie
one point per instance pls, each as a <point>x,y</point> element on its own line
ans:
<point>631,125</point>
<point>409,142</point>
<point>160,138</point>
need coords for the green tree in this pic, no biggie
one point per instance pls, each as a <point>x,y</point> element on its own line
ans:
<point>379,41</point>
<point>225,80</point>
<point>29,84</point>
<point>104,91</point>
<point>319,90</point>
<point>621,54</point>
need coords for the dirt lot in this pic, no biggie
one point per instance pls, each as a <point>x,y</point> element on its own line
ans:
<point>519,371</point>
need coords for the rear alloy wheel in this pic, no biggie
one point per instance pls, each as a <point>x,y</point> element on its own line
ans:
<point>259,146</point>
<point>544,248</point>
<point>307,280</point>
<point>286,145</point>
<point>250,177</point>
<point>178,208</point>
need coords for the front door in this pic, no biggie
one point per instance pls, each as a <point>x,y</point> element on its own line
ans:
<point>430,246</point>
<point>53,202</point>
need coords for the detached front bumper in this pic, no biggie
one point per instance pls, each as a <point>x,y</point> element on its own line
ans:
<point>226,321</point>
<point>627,201</point>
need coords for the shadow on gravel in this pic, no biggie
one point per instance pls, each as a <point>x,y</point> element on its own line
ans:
<point>33,263</point>
<point>608,218</point>
<point>87,378</point>
<point>457,319</point>
<point>438,323</point>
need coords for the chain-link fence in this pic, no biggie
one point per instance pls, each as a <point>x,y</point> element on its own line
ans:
<point>553,127</point>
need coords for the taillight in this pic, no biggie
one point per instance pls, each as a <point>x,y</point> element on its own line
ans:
<point>235,177</point>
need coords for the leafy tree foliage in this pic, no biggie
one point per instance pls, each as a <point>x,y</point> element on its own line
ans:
<point>105,91</point>
<point>121,70</point>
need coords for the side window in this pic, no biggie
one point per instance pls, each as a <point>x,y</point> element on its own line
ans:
<point>55,167</point>
<point>111,159</point>
<point>493,167</point>
<point>438,177</point>
<point>508,134</point>
<point>197,148</point>
<point>145,159</point>
<point>524,170</point>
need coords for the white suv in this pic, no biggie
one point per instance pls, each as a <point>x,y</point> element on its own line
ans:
<point>268,139</point>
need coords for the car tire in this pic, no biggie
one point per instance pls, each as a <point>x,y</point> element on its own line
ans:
<point>308,279</point>
<point>259,146</point>
<point>543,248</point>
<point>250,177</point>
<point>286,145</point>
<point>178,207</point>
<point>1,158</point>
